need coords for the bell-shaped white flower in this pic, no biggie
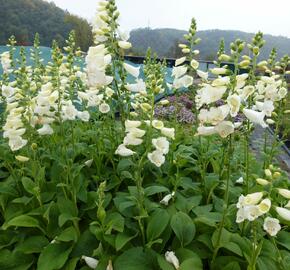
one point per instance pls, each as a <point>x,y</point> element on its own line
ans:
<point>45,130</point>
<point>171,258</point>
<point>240,180</point>
<point>161,144</point>
<point>180,61</point>
<point>104,108</point>
<point>130,139</point>
<point>209,94</point>
<point>222,81</point>
<point>265,205</point>
<point>123,151</point>
<point>218,71</point>
<point>225,128</point>
<point>271,226</point>
<point>91,262</point>
<point>255,117</point>
<point>84,116</point>
<point>124,44</point>
<point>194,64</point>
<point>137,87</point>
<point>156,157</point>
<point>134,71</point>
<point>129,124</point>
<point>202,74</point>
<point>253,198</point>
<point>234,102</point>
<point>283,212</point>
<point>284,192</point>
<point>89,163</point>
<point>178,72</point>
<point>205,131</point>
<point>247,91</point>
<point>157,124</point>
<point>168,132</point>
<point>167,198</point>
<point>16,143</point>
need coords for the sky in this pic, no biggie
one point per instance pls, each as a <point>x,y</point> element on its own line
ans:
<point>268,16</point>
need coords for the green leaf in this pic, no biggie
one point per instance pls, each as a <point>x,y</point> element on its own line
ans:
<point>155,189</point>
<point>220,238</point>
<point>15,260</point>
<point>122,239</point>
<point>22,221</point>
<point>164,265</point>
<point>114,221</point>
<point>232,266</point>
<point>28,185</point>
<point>192,263</point>
<point>133,259</point>
<point>69,234</point>
<point>158,222</point>
<point>283,239</point>
<point>54,256</point>
<point>233,247</point>
<point>183,227</point>
<point>33,244</point>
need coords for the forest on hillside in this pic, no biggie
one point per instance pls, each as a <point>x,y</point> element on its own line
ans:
<point>165,42</point>
<point>25,18</point>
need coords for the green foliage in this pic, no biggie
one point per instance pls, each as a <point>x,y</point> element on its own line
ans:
<point>25,18</point>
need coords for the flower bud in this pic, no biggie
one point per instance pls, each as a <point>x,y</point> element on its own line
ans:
<point>276,175</point>
<point>22,158</point>
<point>268,173</point>
<point>262,182</point>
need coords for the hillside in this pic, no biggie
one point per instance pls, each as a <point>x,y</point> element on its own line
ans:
<point>164,41</point>
<point>24,18</point>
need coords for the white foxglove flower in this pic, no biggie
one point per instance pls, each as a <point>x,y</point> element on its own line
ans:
<point>180,61</point>
<point>132,140</point>
<point>124,44</point>
<point>168,132</point>
<point>218,71</point>
<point>136,132</point>
<point>110,265</point>
<point>184,81</point>
<point>234,101</point>
<point>45,130</point>
<point>178,72</point>
<point>264,205</point>
<point>255,117</point>
<point>282,92</point>
<point>129,124</point>
<point>134,71</point>
<point>161,144</point>
<point>223,81</point>
<point>171,258</point>
<point>247,91</point>
<point>22,158</point>
<point>252,212</point>
<point>225,128</point>
<point>157,124</point>
<point>156,157</point>
<point>91,262</point>
<point>16,143</point>
<point>84,116</point>
<point>89,163</point>
<point>240,180</point>
<point>137,87</point>
<point>202,74</point>
<point>123,151</point>
<point>104,108</point>
<point>271,226</point>
<point>7,91</point>
<point>284,192</point>
<point>253,198</point>
<point>194,64</point>
<point>5,61</point>
<point>167,198</point>
<point>283,212</point>
<point>69,112</point>
<point>209,94</point>
<point>205,131</point>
